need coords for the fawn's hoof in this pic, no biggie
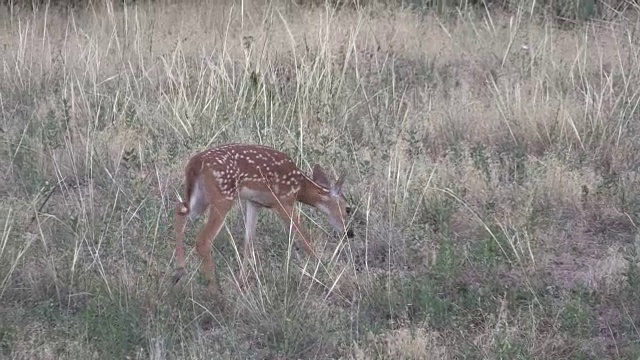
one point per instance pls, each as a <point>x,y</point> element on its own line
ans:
<point>177,275</point>
<point>216,294</point>
<point>242,279</point>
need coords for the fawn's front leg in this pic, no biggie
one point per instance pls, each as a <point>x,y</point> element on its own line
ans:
<point>250,223</point>
<point>291,219</point>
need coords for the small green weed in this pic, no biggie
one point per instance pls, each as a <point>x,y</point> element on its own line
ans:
<point>114,327</point>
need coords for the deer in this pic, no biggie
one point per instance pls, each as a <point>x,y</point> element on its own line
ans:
<point>263,177</point>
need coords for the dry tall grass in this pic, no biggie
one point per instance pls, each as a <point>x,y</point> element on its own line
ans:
<point>492,158</point>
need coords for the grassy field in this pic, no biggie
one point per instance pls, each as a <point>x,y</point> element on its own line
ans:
<point>492,157</point>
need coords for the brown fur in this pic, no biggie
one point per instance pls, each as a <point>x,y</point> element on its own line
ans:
<point>266,178</point>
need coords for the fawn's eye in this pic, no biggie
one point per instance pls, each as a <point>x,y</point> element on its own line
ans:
<point>348,210</point>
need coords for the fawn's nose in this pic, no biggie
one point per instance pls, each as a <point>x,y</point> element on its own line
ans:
<point>350,233</point>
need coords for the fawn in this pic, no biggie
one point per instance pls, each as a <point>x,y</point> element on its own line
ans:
<point>265,178</point>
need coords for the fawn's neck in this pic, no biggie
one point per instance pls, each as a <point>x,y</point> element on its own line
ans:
<point>311,193</point>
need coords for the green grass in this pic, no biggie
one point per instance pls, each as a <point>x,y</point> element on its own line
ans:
<point>491,156</point>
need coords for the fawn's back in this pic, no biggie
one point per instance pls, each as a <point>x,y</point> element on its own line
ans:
<point>250,172</point>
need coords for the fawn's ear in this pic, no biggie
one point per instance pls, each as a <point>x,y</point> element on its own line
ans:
<point>320,177</point>
<point>336,189</point>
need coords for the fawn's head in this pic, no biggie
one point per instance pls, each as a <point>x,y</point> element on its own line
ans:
<point>333,204</point>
